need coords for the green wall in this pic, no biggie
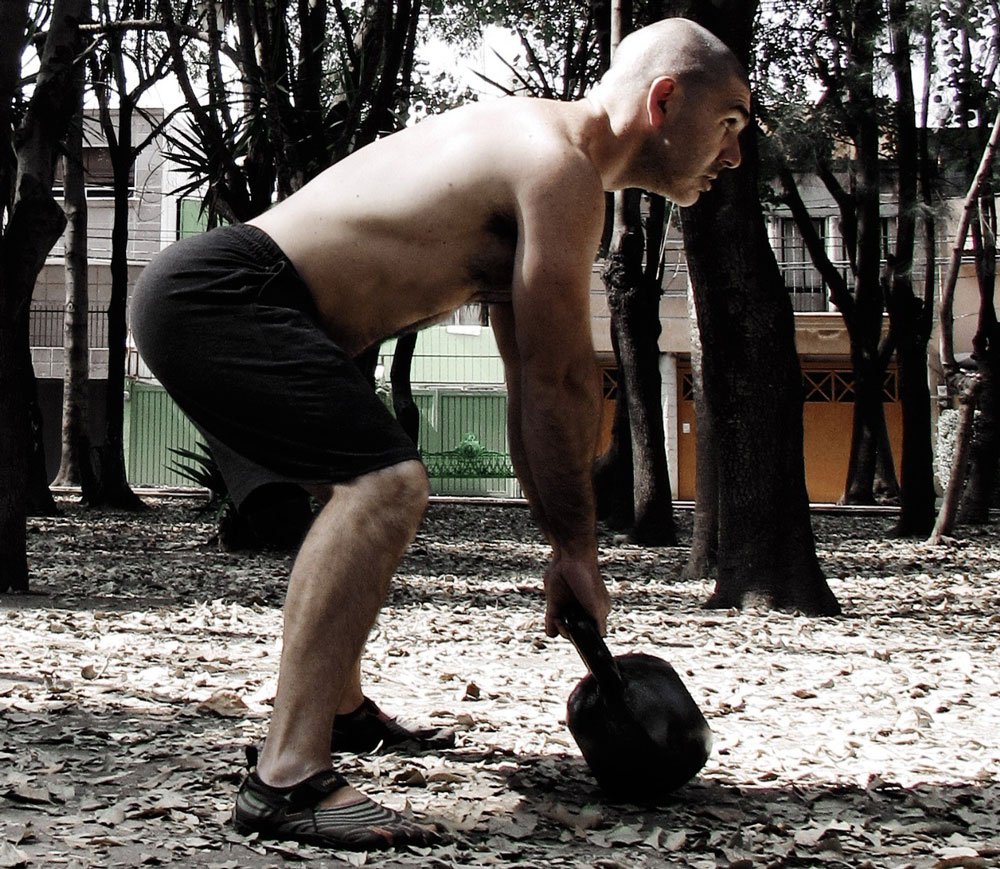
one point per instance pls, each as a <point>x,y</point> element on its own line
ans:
<point>154,424</point>
<point>446,356</point>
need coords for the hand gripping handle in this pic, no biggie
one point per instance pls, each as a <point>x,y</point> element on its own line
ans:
<point>583,633</point>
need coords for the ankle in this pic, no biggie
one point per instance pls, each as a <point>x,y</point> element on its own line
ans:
<point>283,771</point>
<point>351,703</point>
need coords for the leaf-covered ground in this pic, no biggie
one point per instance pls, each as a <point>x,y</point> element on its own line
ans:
<point>145,660</point>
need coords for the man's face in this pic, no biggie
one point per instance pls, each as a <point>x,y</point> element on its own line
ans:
<point>700,138</point>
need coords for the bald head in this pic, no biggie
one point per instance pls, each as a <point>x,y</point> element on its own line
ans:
<point>674,47</point>
<point>674,101</point>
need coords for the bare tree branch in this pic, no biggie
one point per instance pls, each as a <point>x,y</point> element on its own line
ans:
<point>946,308</point>
<point>840,294</point>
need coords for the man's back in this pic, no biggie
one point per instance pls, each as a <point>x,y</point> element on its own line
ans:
<point>420,222</point>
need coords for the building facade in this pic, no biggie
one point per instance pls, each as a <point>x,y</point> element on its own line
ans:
<point>457,375</point>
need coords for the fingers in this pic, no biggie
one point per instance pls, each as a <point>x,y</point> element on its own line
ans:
<point>581,584</point>
<point>553,626</point>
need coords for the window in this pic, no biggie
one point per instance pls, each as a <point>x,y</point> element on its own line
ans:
<point>98,174</point>
<point>794,258</point>
<point>802,278</point>
<point>888,237</point>
<point>887,242</point>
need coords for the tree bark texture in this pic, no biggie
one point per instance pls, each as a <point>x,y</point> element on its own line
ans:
<point>633,292</point>
<point>752,381</point>
<point>945,522</point>
<point>704,555</point>
<point>113,489</point>
<point>917,493</point>
<point>870,468</point>
<point>909,316</point>
<point>966,387</point>
<point>76,466</point>
<point>403,405</point>
<point>613,487</point>
<point>39,497</point>
<point>32,228</point>
<point>984,452</point>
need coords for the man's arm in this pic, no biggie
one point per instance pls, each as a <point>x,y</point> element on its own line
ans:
<point>502,321</point>
<point>553,387</point>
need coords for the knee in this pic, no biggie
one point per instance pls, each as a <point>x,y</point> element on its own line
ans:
<point>408,486</point>
<point>402,495</point>
<point>399,494</point>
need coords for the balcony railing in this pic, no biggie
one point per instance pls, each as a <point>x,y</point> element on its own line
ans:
<point>46,327</point>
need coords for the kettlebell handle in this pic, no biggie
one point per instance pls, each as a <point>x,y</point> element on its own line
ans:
<point>587,639</point>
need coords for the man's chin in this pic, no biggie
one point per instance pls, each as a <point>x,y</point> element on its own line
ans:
<point>683,198</point>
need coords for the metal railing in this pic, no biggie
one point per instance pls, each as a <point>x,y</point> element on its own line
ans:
<point>469,460</point>
<point>46,327</point>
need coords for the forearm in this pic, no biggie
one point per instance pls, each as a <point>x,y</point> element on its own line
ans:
<point>522,468</point>
<point>558,424</point>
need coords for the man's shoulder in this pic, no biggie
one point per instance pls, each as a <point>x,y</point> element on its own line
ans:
<point>544,143</point>
<point>546,129</point>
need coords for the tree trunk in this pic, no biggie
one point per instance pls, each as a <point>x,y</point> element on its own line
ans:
<point>704,555</point>
<point>752,380</point>
<point>40,501</point>
<point>870,467</point>
<point>403,405</point>
<point>908,318</point>
<point>869,372</point>
<point>654,510</point>
<point>614,492</point>
<point>34,224</point>
<point>113,488</point>
<point>15,436</point>
<point>956,480</point>
<point>634,301</point>
<point>75,467</point>
<point>632,283</point>
<point>967,388</point>
<point>918,497</point>
<point>985,449</point>
<point>868,419</point>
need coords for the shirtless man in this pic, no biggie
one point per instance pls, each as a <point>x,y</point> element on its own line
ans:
<point>253,329</point>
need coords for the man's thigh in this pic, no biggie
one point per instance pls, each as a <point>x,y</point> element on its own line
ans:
<point>246,360</point>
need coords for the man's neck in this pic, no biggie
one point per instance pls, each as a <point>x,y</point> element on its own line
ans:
<point>607,140</point>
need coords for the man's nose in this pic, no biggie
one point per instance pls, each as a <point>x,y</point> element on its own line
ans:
<point>730,156</point>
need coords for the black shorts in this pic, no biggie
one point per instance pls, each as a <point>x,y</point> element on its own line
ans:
<point>228,327</point>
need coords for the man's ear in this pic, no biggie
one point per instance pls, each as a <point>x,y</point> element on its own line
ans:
<point>661,91</point>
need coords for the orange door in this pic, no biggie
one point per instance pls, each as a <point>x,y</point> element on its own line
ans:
<point>826,420</point>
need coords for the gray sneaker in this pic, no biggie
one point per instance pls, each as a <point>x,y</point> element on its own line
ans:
<point>294,813</point>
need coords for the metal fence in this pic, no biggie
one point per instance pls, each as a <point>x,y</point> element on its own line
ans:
<point>46,327</point>
<point>154,426</point>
